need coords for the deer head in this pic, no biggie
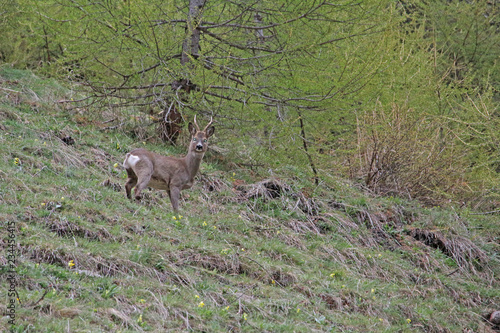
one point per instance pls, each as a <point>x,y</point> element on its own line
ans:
<point>199,140</point>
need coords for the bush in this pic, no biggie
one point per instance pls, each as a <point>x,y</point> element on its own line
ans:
<point>406,155</point>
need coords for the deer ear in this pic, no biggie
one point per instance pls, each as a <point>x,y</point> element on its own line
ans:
<point>210,131</point>
<point>191,129</point>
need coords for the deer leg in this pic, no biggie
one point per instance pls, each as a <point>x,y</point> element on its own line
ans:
<point>143,171</point>
<point>174,194</point>
<point>131,182</point>
<point>141,185</point>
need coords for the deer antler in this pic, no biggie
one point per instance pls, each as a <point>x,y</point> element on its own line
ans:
<point>210,123</point>
<point>195,124</point>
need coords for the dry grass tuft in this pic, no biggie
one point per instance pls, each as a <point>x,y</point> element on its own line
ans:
<point>108,267</point>
<point>304,227</point>
<point>67,312</point>
<point>283,279</point>
<point>67,229</point>
<point>48,256</point>
<point>120,318</point>
<point>267,189</point>
<point>114,186</point>
<point>273,189</point>
<point>67,156</point>
<point>465,253</point>
<point>219,263</point>
<point>211,183</point>
<point>379,223</point>
<point>101,158</point>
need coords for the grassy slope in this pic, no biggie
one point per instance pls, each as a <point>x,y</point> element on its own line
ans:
<point>237,260</point>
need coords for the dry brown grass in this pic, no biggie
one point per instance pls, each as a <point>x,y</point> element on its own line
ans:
<point>463,251</point>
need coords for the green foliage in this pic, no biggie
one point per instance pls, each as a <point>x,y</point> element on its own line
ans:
<point>426,135</point>
<point>18,46</point>
<point>399,95</point>
<point>466,41</point>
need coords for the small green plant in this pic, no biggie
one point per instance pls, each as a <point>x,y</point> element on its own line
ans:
<point>110,291</point>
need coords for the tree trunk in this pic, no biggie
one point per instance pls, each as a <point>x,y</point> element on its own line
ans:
<point>191,44</point>
<point>171,120</point>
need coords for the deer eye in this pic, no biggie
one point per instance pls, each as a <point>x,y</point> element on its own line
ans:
<point>205,140</point>
<point>194,139</point>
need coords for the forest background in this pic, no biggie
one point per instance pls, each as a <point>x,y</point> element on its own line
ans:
<point>401,96</point>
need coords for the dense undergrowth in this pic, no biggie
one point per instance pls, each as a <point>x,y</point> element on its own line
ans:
<point>249,252</point>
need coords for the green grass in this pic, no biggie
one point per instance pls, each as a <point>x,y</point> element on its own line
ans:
<point>237,260</point>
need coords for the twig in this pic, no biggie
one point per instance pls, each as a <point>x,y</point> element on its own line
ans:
<point>109,121</point>
<point>486,213</point>
<point>304,142</point>
<point>112,127</point>
<point>41,298</point>
<point>7,89</point>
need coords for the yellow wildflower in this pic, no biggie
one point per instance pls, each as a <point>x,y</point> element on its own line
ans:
<point>201,305</point>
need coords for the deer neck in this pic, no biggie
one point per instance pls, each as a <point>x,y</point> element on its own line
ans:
<point>193,161</point>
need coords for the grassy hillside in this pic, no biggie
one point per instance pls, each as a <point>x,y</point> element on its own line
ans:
<point>248,253</point>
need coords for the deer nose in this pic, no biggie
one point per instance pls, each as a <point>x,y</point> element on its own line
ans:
<point>199,146</point>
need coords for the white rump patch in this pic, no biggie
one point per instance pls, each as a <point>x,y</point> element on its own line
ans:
<point>130,161</point>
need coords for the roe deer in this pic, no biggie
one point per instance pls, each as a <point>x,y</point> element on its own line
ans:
<point>174,174</point>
